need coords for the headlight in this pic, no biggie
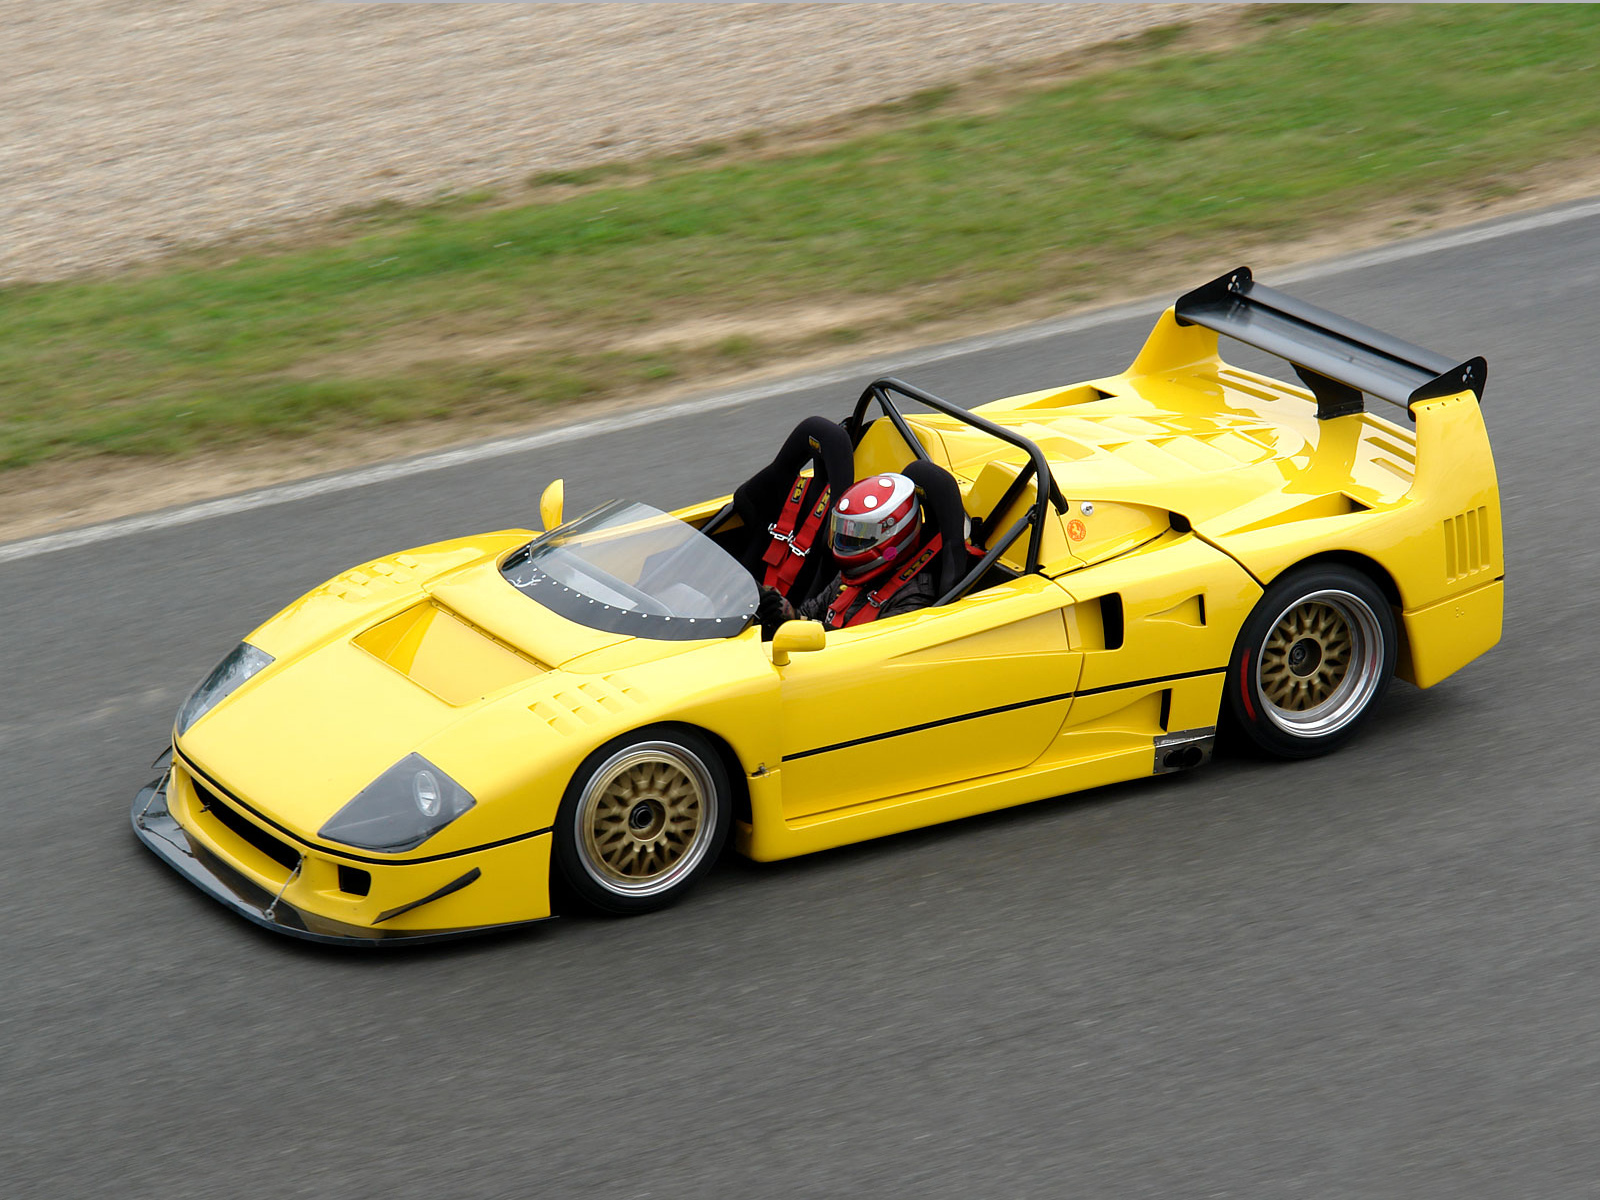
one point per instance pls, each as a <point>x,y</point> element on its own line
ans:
<point>232,671</point>
<point>400,809</point>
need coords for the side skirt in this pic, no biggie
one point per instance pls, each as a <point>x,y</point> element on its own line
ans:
<point>769,841</point>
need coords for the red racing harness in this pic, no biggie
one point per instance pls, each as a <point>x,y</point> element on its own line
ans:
<point>790,546</point>
<point>876,599</point>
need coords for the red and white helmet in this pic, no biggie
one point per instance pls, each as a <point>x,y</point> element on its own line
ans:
<point>874,523</point>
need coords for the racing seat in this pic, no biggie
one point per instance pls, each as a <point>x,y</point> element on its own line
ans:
<point>785,513</point>
<point>942,513</point>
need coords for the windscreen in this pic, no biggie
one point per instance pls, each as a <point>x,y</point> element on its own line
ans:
<point>629,568</point>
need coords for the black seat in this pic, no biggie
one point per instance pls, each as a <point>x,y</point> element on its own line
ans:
<point>759,501</point>
<point>942,513</point>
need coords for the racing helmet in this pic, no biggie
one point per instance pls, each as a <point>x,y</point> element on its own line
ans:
<point>875,523</point>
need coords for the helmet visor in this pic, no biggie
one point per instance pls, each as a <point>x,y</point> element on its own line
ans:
<point>854,536</point>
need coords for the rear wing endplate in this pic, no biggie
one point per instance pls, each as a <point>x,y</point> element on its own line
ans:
<point>1338,359</point>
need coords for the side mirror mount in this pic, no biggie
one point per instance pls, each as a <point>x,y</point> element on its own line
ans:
<point>796,637</point>
<point>551,502</point>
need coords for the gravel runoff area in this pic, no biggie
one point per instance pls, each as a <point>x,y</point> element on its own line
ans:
<point>127,129</point>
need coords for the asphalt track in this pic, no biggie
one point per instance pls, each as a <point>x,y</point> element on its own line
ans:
<point>1370,975</point>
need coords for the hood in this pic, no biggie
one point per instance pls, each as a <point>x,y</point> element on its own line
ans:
<point>404,672</point>
<point>479,595</point>
<point>305,735</point>
<point>462,576</point>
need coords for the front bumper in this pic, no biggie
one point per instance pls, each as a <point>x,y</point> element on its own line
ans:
<point>165,836</point>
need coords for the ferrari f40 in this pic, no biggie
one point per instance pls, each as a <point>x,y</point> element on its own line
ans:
<point>467,735</point>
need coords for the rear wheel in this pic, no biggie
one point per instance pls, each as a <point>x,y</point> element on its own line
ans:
<point>1312,662</point>
<point>643,818</point>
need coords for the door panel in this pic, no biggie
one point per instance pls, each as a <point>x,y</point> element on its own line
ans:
<point>925,699</point>
<point>1161,619</point>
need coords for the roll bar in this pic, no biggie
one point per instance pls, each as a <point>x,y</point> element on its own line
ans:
<point>882,390</point>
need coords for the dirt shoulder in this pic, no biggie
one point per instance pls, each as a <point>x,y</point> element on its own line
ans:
<point>129,129</point>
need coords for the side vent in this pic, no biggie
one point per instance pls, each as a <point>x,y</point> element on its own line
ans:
<point>1083,394</point>
<point>1466,544</point>
<point>1111,620</point>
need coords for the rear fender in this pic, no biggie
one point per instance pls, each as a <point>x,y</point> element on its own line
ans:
<point>1441,543</point>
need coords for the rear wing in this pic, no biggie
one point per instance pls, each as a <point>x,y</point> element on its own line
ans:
<point>1338,359</point>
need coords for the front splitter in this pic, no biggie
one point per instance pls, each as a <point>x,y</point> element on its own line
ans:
<point>159,830</point>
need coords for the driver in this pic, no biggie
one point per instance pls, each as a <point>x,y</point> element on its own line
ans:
<point>884,567</point>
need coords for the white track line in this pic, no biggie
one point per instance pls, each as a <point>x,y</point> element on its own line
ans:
<point>345,481</point>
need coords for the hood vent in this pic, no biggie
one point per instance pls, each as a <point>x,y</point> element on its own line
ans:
<point>440,652</point>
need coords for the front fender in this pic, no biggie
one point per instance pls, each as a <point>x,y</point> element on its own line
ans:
<point>518,755</point>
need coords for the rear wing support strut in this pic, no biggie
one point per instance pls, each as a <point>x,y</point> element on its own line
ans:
<point>1338,359</point>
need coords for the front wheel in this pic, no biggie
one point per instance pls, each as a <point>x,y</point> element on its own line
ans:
<point>1312,662</point>
<point>643,818</point>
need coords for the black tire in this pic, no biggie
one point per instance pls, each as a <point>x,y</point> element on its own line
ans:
<point>1292,692</point>
<point>643,819</point>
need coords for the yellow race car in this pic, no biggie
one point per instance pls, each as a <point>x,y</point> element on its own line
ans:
<point>447,740</point>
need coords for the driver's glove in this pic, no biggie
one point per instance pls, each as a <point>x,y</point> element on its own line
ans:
<point>773,610</point>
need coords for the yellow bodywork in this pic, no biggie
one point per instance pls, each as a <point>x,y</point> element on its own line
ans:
<point>1191,484</point>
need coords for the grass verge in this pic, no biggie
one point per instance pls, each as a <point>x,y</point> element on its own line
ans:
<point>958,199</point>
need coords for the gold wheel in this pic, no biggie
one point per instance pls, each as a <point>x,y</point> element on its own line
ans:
<point>646,819</point>
<point>1306,656</point>
<point>1321,663</point>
